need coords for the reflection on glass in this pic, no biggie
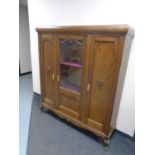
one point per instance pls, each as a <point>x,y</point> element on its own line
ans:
<point>71,64</point>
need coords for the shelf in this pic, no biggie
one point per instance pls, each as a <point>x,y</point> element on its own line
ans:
<point>70,87</point>
<point>72,64</point>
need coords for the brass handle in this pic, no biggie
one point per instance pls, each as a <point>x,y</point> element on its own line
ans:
<point>58,78</point>
<point>53,76</point>
<point>88,87</point>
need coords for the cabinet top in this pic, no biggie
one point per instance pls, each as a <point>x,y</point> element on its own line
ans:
<point>110,29</point>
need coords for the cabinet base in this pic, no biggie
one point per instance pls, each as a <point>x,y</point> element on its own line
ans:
<point>105,138</point>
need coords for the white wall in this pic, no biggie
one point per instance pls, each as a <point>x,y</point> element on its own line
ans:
<point>24,40</point>
<point>88,12</point>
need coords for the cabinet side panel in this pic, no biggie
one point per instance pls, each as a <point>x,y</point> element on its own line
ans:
<point>40,65</point>
<point>125,45</point>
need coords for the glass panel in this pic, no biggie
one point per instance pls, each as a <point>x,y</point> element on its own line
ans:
<point>71,64</point>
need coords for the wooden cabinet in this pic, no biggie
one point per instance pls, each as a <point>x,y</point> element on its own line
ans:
<point>82,69</point>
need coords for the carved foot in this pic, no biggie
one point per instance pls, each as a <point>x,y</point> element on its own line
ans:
<point>106,143</point>
<point>42,108</point>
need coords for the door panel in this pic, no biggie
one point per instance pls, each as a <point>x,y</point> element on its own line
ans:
<point>48,70</point>
<point>102,74</point>
<point>71,53</point>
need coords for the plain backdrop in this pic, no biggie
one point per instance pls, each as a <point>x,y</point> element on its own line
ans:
<point>142,13</point>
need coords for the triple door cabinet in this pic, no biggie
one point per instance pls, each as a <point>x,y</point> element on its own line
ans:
<point>80,68</point>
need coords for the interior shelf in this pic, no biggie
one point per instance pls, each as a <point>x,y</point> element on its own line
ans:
<point>72,64</point>
<point>70,87</point>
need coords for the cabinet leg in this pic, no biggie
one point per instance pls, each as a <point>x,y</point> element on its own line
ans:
<point>42,108</point>
<point>106,143</point>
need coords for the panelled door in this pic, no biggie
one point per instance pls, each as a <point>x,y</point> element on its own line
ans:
<point>48,69</point>
<point>71,63</point>
<point>103,66</point>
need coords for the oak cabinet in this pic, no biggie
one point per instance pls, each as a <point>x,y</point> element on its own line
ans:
<point>82,70</point>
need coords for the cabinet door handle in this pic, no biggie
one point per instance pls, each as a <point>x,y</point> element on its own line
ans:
<point>58,78</point>
<point>53,76</point>
<point>88,87</point>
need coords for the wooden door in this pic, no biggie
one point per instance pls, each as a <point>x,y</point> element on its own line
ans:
<point>71,63</point>
<point>104,58</point>
<point>48,70</point>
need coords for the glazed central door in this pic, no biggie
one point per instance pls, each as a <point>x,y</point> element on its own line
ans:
<point>71,52</point>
